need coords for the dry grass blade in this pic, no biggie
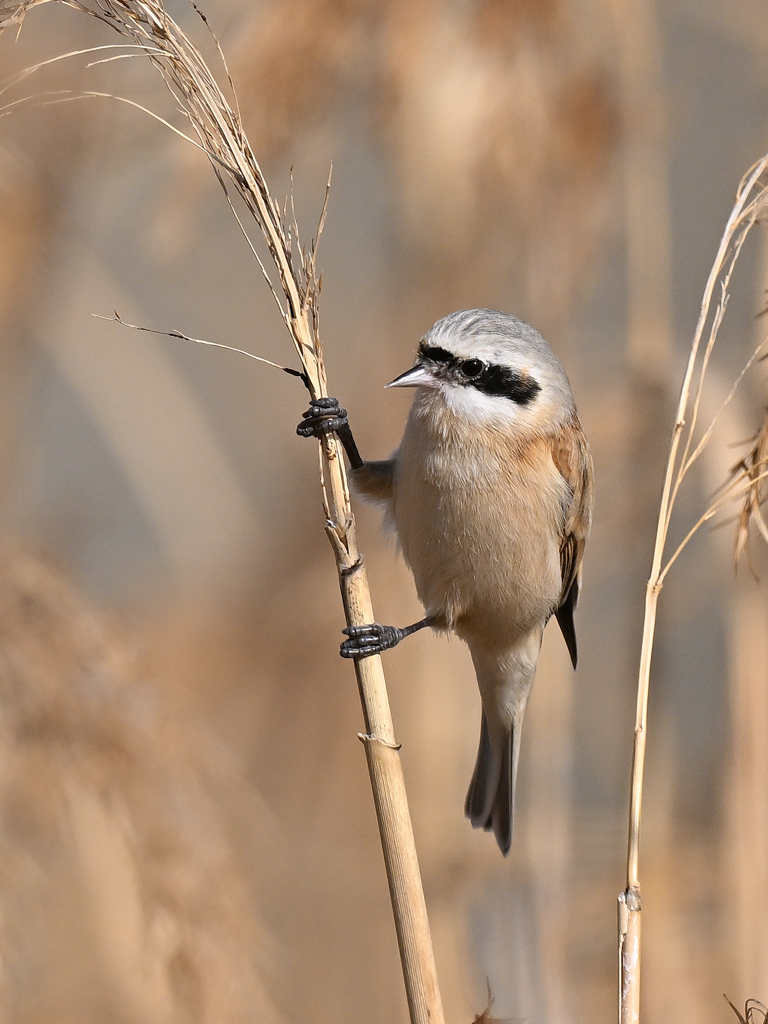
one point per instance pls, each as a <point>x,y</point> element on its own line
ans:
<point>751,469</point>
<point>754,1012</point>
<point>749,207</point>
<point>217,126</point>
<point>220,133</point>
<point>732,490</point>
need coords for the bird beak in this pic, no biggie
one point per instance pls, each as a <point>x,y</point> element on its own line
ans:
<point>417,377</point>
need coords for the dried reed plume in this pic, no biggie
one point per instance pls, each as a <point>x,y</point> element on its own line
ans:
<point>746,483</point>
<point>217,130</point>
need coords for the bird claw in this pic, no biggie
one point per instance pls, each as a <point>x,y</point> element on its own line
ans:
<point>370,639</point>
<point>324,416</point>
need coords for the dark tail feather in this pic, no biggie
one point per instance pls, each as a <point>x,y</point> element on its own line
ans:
<point>564,615</point>
<point>490,798</point>
<point>485,780</point>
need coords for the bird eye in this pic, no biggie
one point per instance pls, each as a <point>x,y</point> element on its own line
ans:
<point>472,367</point>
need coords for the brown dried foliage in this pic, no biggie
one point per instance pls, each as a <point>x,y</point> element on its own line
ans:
<point>124,896</point>
<point>498,118</point>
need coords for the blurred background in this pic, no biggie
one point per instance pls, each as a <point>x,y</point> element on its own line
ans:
<point>188,834</point>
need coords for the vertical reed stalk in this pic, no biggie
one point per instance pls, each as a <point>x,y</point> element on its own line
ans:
<point>749,205</point>
<point>216,128</point>
<point>382,753</point>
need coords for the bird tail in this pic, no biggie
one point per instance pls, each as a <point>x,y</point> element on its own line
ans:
<point>491,795</point>
<point>504,686</point>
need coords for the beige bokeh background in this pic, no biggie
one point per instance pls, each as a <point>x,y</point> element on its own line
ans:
<point>187,833</point>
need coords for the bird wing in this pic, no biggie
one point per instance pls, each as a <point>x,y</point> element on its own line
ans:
<point>571,456</point>
<point>374,480</point>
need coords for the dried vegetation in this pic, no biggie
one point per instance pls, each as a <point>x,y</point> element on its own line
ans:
<point>549,112</point>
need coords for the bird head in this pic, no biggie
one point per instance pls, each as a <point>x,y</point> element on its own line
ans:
<point>493,369</point>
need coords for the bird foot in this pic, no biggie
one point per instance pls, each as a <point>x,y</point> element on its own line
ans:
<point>324,416</point>
<point>370,639</point>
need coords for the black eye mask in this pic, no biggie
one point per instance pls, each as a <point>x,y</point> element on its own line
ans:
<point>490,379</point>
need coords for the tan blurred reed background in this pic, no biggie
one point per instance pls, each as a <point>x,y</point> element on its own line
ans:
<point>187,833</point>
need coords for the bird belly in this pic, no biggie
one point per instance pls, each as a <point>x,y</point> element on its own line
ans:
<point>482,538</point>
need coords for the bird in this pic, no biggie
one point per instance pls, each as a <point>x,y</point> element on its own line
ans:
<point>490,494</point>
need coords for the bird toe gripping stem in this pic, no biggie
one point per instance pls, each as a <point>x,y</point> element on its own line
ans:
<point>370,639</point>
<point>324,416</point>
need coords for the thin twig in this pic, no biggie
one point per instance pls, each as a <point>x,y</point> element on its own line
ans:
<point>117,319</point>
